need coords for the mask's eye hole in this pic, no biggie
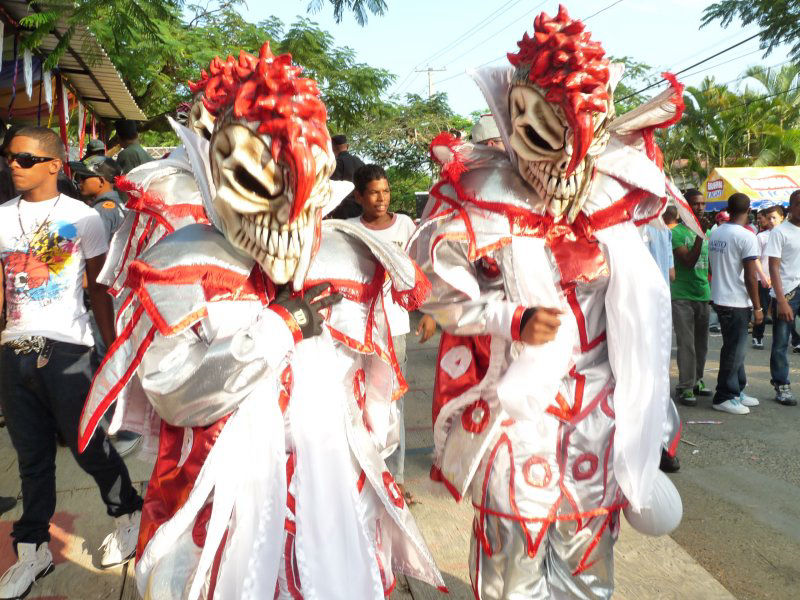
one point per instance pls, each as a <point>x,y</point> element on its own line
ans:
<point>251,184</point>
<point>536,139</point>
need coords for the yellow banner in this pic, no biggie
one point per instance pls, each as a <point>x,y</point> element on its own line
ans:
<point>762,185</point>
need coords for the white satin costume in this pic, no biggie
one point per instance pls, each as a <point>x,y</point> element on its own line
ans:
<point>550,441</point>
<point>270,479</point>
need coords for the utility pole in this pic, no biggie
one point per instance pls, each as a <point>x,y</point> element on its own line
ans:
<point>430,73</point>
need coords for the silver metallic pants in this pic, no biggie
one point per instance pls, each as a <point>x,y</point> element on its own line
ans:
<point>539,531</point>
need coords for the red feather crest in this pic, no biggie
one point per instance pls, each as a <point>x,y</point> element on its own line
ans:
<point>572,68</point>
<point>267,89</point>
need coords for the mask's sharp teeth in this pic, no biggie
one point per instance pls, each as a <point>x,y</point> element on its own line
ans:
<point>273,223</point>
<point>272,242</point>
<point>283,244</point>
<point>263,237</point>
<point>551,186</point>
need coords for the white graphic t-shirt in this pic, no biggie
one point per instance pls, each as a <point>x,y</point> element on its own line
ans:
<point>43,266</point>
<point>397,234</point>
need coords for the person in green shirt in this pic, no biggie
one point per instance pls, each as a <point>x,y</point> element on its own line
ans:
<point>691,294</point>
<point>132,154</point>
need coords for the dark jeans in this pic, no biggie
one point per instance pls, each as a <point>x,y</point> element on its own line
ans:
<point>690,320</point>
<point>781,331</point>
<point>731,379</point>
<point>37,404</point>
<point>764,298</point>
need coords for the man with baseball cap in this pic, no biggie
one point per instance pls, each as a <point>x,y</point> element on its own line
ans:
<point>485,132</point>
<point>95,177</point>
<point>94,148</point>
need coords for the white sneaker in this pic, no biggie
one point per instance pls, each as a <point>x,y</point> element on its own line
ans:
<point>119,547</point>
<point>32,564</point>
<point>731,406</point>
<point>748,401</point>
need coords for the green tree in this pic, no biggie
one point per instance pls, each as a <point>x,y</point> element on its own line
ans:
<point>636,76</point>
<point>359,8</point>
<point>398,136</point>
<point>779,20</point>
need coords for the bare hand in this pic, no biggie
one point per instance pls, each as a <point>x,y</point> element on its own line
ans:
<point>541,327</point>
<point>758,317</point>
<point>426,328</point>
<point>784,311</point>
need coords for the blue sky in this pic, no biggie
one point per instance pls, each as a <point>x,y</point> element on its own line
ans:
<point>415,34</point>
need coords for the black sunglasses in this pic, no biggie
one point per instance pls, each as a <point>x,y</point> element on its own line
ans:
<point>26,160</point>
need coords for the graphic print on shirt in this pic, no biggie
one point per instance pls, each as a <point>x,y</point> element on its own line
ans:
<point>37,273</point>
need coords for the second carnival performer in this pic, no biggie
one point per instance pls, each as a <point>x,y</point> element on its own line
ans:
<point>552,387</point>
<point>253,345</point>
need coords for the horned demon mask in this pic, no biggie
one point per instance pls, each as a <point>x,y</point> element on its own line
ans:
<point>560,105</point>
<point>271,159</point>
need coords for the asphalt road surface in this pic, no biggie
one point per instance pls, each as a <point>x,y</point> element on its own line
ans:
<point>740,484</point>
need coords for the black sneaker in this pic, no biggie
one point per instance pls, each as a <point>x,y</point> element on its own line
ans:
<point>700,389</point>
<point>687,398</point>
<point>758,343</point>
<point>669,464</point>
<point>796,349</point>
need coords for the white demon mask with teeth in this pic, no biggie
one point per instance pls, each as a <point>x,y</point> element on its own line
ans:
<point>560,106</point>
<point>271,160</point>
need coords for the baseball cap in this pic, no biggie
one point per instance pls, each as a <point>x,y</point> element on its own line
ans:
<point>95,147</point>
<point>96,166</point>
<point>485,129</point>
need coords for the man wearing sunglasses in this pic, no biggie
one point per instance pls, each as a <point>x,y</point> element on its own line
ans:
<point>47,242</point>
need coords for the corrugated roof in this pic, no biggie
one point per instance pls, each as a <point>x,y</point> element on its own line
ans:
<point>87,68</point>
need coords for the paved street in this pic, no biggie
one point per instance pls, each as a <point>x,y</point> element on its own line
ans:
<point>740,489</point>
<point>740,485</point>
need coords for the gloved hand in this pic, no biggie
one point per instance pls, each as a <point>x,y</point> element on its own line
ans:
<point>305,309</point>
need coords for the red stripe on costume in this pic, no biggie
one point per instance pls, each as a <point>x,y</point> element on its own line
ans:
<point>437,476</point>
<point>111,395</point>
<point>516,324</point>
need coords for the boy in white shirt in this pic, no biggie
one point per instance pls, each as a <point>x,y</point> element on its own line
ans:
<point>372,192</point>
<point>783,250</point>
<point>733,254</point>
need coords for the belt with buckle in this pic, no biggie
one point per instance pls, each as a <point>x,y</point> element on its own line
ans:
<point>27,344</point>
<point>39,344</point>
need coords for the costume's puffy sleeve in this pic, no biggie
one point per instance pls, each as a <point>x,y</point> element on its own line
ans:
<point>468,298</point>
<point>201,374</point>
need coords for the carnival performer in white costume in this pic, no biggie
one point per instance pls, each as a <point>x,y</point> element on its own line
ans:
<point>555,439</point>
<point>253,346</point>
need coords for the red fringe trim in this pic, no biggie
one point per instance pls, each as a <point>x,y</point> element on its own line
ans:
<point>453,169</point>
<point>415,297</point>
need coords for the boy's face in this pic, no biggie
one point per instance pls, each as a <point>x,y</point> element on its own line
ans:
<point>375,198</point>
<point>772,219</point>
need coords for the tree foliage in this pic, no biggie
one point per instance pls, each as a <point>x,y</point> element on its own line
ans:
<point>779,20</point>
<point>758,126</point>
<point>398,135</point>
<point>359,8</point>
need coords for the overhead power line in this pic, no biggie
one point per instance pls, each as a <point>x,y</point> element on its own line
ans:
<point>461,38</point>
<point>488,62</point>
<point>697,64</point>
<point>759,99</point>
